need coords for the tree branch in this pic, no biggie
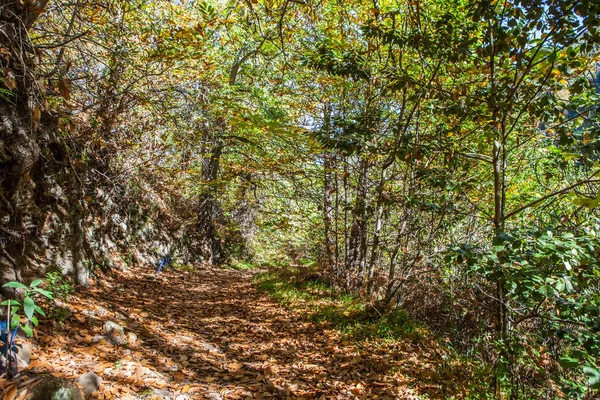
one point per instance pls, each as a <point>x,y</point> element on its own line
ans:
<point>553,194</point>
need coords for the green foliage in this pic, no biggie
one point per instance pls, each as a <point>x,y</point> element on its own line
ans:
<point>28,306</point>
<point>593,375</point>
<point>60,285</point>
<point>182,267</point>
<point>58,314</point>
<point>549,277</point>
<point>241,265</point>
<point>7,96</point>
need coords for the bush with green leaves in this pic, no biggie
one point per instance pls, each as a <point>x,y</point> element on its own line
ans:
<point>549,278</point>
<point>61,286</point>
<point>28,305</point>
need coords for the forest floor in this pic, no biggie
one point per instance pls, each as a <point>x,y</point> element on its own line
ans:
<point>210,334</point>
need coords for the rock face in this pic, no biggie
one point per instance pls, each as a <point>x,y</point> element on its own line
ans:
<point>19,142</point>
<point>55,209</point>
<point>60,204</point>
<point>23,355</point>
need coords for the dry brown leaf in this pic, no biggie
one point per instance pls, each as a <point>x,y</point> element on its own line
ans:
<point>235,366</point>
<point>10,83</point>
<point>269,370</point>
<point>295,354</point>
<point>64,87</point>
<point>23,395</point>
<point>46,339</point>
<point>10,393</point>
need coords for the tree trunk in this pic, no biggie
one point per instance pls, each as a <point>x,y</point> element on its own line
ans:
<point>329,189</point>
<point>357,243</point>
<point>209,210</point>
<point>346,233</point>
<point>499,209</point>
<point>391,290</point>
<point>376,234</point>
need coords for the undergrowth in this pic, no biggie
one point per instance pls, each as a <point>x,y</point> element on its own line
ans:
<point>62,287</point>
<point>183,267</point>
<point>359,321</point>
<point>241,265</point>
<point>345,312</point>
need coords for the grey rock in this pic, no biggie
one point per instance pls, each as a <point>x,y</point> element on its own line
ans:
<point>210,348</point>
<point>114,333</point>
<point>23,355</point>
<point>90,382</point>
<point>102,310</point>
<point>49,387</point>
<point>110,326</point>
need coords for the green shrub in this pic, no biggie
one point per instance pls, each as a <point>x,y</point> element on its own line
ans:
<point>29,306</point>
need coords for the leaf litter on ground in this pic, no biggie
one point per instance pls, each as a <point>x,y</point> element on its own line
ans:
<point>211,334</point>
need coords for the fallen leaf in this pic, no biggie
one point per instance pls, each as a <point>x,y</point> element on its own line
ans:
<point>235,366</point>
<point>10,393</point>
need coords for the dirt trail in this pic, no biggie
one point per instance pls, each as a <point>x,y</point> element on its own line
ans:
<point>211,335</point>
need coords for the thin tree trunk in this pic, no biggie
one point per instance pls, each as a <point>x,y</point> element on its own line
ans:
<point>209,210</point>
<point>376,234</point>
<point>346,236</point>
<point>358,233</point>
<point>499,226</point>
<point>329,189</point>
<point>499,172</point>
<point>499,166</point>
<point>391,291</point>
<point>336,219</point>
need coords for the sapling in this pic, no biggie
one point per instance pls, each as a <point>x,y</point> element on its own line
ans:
<point>8,328</point>
<point>30,308</point>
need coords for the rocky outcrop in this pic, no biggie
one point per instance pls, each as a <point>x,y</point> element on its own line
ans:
<point>57,208</point>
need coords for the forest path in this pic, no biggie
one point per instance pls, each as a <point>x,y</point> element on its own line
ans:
<point>211,334</point>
